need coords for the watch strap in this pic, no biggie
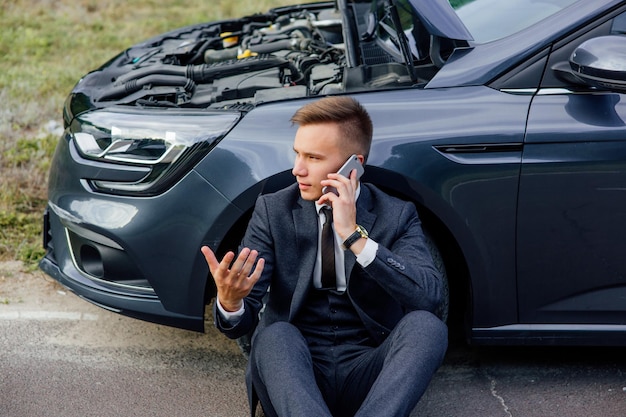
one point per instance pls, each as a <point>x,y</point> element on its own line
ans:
<point>358,234</point>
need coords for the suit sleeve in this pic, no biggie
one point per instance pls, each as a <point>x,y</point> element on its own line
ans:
<point>403,266</point>
<point>258,237</point>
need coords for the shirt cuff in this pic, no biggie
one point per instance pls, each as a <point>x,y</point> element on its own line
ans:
<point>368,254</point>
<point>231,317</point>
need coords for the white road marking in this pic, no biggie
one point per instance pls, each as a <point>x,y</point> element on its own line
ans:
<point>46,315</point>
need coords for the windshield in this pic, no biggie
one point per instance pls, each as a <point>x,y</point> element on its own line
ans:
<point>489,20</point>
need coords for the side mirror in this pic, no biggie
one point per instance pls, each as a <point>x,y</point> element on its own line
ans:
<point>601,63</point>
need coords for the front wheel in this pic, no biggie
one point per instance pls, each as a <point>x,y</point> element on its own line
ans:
<point>444,306</point>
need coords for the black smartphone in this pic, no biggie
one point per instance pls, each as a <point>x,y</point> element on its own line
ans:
<point>345,170</point>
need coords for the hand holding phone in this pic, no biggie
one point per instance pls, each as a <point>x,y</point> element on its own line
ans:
<point>345,170</point>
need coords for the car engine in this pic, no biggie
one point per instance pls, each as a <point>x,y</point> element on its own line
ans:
<point>285,53</point>
<point>289,52</point>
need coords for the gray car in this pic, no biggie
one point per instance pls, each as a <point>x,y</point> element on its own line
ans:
<point>502,121</point>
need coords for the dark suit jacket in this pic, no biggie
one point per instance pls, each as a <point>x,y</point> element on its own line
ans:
<point>284,230</point>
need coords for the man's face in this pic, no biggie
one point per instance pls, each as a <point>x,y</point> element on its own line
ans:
<point>318,153</point>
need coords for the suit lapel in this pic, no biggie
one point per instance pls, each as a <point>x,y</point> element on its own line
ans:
<point>306,229</point>
<point>305,222</point>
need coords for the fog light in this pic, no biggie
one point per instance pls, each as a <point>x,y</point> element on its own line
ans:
<point>91,261</point>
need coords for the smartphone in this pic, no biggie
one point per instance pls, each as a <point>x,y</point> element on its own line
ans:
<point>352,163</point>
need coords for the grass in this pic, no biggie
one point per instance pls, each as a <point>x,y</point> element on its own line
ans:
<point>46,46</point>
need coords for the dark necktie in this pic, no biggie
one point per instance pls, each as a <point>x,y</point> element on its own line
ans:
<point>329,280</point>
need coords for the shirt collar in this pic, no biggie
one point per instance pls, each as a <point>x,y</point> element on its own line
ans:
<point>318,207</point>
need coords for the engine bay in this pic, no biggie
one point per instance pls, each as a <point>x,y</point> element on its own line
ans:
<point>290,52</point>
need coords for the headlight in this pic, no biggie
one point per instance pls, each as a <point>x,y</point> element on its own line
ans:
<point>168,141</point>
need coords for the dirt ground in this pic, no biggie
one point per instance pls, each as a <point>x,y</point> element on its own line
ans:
<point>21,288</point>
<point>33,294</point>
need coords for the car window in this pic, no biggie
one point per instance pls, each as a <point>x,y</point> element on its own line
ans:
<point>488,20</point>
<point>563,49</point>
<point>619,25</point>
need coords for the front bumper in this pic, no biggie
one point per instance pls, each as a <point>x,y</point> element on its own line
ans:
<point>143,308</point>
<point>136,256</point>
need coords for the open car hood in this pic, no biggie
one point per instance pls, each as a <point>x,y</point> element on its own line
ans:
<point>440,19</point>
<point>288,53</point>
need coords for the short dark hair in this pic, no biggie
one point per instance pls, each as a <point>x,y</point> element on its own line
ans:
<point>353,120</point>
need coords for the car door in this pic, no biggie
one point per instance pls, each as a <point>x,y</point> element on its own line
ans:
<point>571,229</point>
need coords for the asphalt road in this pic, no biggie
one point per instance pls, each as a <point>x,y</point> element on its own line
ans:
<point>61,356</point>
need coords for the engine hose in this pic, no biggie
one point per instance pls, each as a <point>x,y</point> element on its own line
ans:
<point>217,55</point>
<point>199,73</point>
<point>282,45</point>
<point>203,49</point>
<point>151,70</point>
<point>207,73</point>
<point>132,86</point>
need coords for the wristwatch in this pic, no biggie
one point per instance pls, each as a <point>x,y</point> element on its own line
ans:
<point>358,234</point>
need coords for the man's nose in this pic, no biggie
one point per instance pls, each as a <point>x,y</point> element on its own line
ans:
<point>299,169</point>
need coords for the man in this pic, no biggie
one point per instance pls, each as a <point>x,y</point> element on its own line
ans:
<point>367,344</point>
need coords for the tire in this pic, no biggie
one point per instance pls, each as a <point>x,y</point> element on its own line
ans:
<point>443,309</point>
<point>244,344</point>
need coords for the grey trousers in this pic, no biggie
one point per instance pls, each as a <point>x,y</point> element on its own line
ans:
<point>293,379</point>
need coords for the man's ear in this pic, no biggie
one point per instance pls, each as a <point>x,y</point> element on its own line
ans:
<point>361,159</point>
